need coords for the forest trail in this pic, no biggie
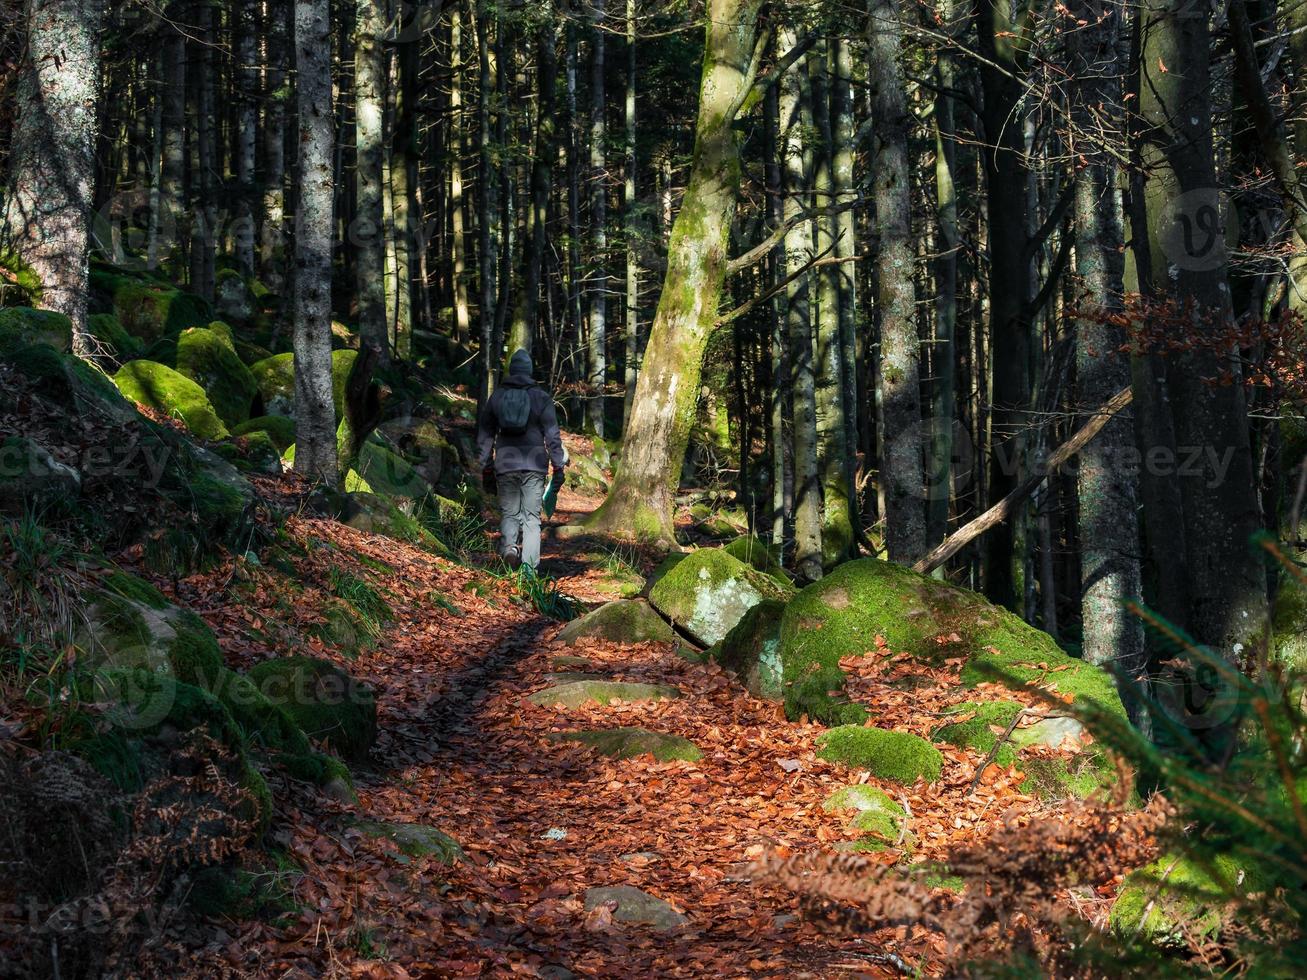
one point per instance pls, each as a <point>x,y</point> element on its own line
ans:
<point>541,821</point>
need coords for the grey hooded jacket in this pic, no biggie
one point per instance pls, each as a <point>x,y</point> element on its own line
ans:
<point>536,448</point>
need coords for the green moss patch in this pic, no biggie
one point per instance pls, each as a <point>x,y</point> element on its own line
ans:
<point>110,337</point>
<point>415,840</point>
<point>976,730</point>
<point>628,743</point>
<point>622,621</point>
<point>23,326</point>
<point>149,311</point>
<point>163,389</point>
<point>875,811</point>
<point>753,551</point>
<point>1082,776</point>
<point>580,693</point>
<point>709,591</point>
<point>275,379</point>
<point>898,756</point>
<point>279,429</point>
<point>323,701</point>
<point>1175,898</point>
<point>206,357</point>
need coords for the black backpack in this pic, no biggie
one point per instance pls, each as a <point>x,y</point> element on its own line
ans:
<point>513,410</point>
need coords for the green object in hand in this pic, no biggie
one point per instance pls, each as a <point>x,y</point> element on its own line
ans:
<point>550,499</point>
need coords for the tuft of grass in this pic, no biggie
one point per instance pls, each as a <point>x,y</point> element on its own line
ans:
<point>364,597</point>
<point>39,606</point>
<point>542,592</point>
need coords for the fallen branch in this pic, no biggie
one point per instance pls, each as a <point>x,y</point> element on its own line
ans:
<point>1007,507</point>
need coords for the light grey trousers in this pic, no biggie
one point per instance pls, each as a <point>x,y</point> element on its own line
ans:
<point>519,508</point>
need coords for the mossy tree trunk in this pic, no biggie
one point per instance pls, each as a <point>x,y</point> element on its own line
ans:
<point>315,413</point>
<point>52,163</point>
<point>902,466</point>
<point>1226,607</point>
<point>367,231</point>
<point>653,447</point>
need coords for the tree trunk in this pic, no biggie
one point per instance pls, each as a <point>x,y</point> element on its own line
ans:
<point>632,293</point>
<point>367,231</point>
<point>273,239</point>
<point>653,447</point>
<point>52,161</point>
<point>1108,490</point>
<point>462,319</point>
<point>315,417</point>
<point>598,363</point>
<point>780,383</point>
<point>525,313</point>
<point>247,126</point>
<point>846,247</point>
<point>204,204</point>
<point>488,209</point>
<point>905,514</point>
<point>1226,601</point>
<point>795,126</point>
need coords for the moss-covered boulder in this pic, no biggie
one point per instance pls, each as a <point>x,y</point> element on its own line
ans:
<point>159,387</point>
<point>1175,898</point>
<point>232,297</point>
<point>110,338</point>
<point>388,473</point>
<point>874,812</point>
<point>278,428</point>
<point>130,625</point>
<point>71,382</point>
<point>207,357</point>
<point>585,475</point>
<point>23,326</point>
<point>709,591</point>
<point>30,477</point>
<point>275,378</point>
<point>845,613</point>
<point>580,693</point>
<point>621,621</point>
<point>415,840</point>
<point>979,726</point>
<point>323,700</point>
<point>753,551</point>
<point>629,743</point>
<point>635,907</point>
<point>150,311</point>
<point>898,756</point>
<point>751,650</point>
<point>252,453</point>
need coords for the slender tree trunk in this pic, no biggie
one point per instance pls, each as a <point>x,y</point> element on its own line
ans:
<point>273,238</point>
<point>315,416</point>
<point>653,448</point>
<point>846,247</point>
<point>462,319</point>
<point>1226,608</point>
<point>1004,28</point>
<point>598,365</point>
<point>406,226</point>
<point>905,516</point>
<point>52,161</point>
<point>204,209</point>
<point>629,203</point>
<point>780,383</point>
<point>837,525</point>
<point>367,235</point>
<point>1108,490</point>
<point>939,470</point>
<point>247,129</point>
<point>488,207</point>
<point>525,314</point>
<point>796,126</point>
<point>575,276</point>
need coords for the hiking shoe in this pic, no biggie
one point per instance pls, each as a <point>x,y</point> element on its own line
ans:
<point>513,559</point>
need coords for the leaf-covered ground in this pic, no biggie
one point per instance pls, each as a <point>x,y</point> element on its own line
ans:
<point>541,820</point>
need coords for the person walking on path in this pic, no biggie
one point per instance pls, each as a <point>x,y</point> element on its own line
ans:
<point>518,430</point>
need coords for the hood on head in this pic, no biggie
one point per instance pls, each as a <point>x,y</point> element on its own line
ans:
<point>520,364</point>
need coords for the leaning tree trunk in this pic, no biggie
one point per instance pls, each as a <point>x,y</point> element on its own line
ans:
<point>367,231</point>
<point>653,447</point>
<point>903,474</point>
<point>1108,492</point>
<point>315,415</point>
<point>52,163</point>
<point>1226,602</point>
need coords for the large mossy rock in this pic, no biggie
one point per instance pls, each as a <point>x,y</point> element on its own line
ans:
<point>375,514</point>
<point>579,693</point>
<point>752,650</point>
<point>635,907</point>
<point>845,612</point>
<point>875,814</point>
<point>165,390</point>
<point>975,728</point>
<point>22,326</point>
<point>150,311</point>
<point>31,478</point>
<point>70,382</point>
<point>233,298</point>
<point>755,552</point>
<point>278,428</point>
<point>275,378</point>
<point>110,338</point>
<point>208,358</point>
<point>630,743</point>
<point>898,756</point>
<point>415,840</point>
<point>620,621</point>
<point>323,700</point>
<point>708,592</point>
<point>1175,898</point>
<point>388,473</point>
